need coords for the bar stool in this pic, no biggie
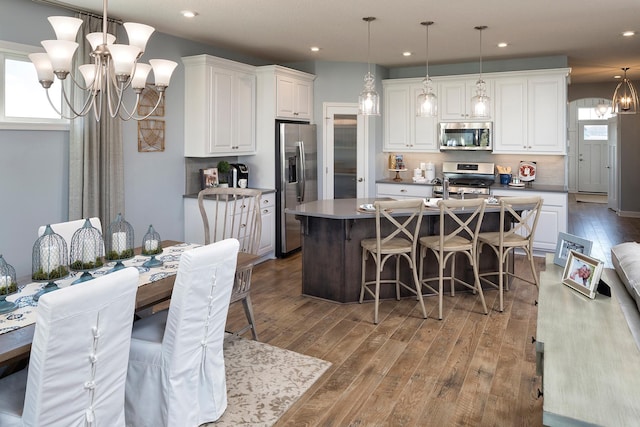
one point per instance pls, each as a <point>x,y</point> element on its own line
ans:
<point>523,213</point>
<point>400,242</point>
<point>466,217</point>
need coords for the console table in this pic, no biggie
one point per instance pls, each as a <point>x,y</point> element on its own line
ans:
<point>587,355</point>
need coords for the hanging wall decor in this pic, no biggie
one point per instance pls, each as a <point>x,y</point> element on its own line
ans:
<point>150,135</point>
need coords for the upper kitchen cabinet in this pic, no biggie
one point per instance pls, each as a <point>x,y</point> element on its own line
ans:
<point>530,112</point>
<point>403,130</point>
<point>454,97</point>
<point>220,107</point>
<point>293,92</point>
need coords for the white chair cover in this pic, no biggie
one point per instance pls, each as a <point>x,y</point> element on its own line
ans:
<point>66,229</point>
<point>78,364</point>
<point>176,367</point>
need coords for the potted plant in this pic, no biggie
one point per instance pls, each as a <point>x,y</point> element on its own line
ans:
<point>223,173</point>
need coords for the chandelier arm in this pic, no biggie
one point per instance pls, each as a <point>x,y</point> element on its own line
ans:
<point>131,115</point>
<point>75,114</point>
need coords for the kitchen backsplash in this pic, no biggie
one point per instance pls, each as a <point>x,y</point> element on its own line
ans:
<point>550,169</point>
<point>192,166</point>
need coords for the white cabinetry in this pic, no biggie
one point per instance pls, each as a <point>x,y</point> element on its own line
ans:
<point>194,229</point>
<point>294,95</point>
<point>220,107</point>
<point>553,216</point>
<point>530,113</point>
<point>403,130</point>
<point>403,191</point>
<point>454,97</point>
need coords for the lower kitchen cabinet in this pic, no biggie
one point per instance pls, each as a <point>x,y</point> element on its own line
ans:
<point>553,217</point>
<point>194,229</point>
<point>403,191</point>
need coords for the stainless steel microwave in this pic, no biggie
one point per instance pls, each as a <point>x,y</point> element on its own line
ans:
<point>466,136</point>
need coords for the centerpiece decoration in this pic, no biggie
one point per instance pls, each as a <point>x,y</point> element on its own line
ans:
<point>8,286</point>
<point>152,246</point>
<point>119,242</point>
<point>49,260</point>
<point>87,250</point>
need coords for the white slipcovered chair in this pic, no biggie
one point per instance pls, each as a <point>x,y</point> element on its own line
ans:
<point>78,365</point>
<point>176,366</point>
<point>66,229</point>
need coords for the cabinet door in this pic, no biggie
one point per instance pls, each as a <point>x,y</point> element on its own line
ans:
<point>222,83</point>
<point>396,118</point>
<point>303,99</point>
<point>403,191</point>
<point>244,114</point>
<point>425,129</point>
<point>452,100</point>
<point>547,104</point>
<point>294,98</point>
<point>267,237</point>
<point>510,125</point>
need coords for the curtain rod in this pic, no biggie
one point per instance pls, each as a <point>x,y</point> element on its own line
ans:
<point>75,9</point>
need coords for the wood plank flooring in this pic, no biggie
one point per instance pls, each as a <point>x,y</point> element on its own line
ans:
<point>468,369</point>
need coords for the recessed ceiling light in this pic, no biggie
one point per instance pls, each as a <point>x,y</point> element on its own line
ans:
<point>617,77</point>
<point>189,13</point>
<point>314,49</point>
<point>503,44</point>
<point>629,33</point>
<point>406,53</point>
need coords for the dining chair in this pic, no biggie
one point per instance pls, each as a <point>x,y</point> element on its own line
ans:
<point>235,213</point>
<point>68,228</point>
<point>176,373</point>
<point>522,214</point>
<point>396,239</point>
<point>460,222</point>
<point>79,354</point>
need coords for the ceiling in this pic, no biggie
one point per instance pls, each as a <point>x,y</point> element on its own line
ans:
<point>588,32</point>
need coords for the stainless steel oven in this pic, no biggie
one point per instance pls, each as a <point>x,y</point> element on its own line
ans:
<point>468,178</point>
<point>466,136</point>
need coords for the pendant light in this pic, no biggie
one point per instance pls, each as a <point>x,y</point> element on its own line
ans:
<point>427,102</point>
<point>602,108</point>
<point>625,97</point>
<point>480,103</point>
<point>369,100</point>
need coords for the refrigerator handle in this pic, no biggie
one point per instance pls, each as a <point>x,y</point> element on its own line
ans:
<point>300,186</point>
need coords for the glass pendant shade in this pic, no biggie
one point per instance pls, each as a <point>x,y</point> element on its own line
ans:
<point>602,109</point>
<point>427,102</point>
<point>480,102</point>
<point>369,100</point>
<point>625,97</point>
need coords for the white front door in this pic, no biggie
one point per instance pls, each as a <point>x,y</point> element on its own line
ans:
<point>592,156</point>
<point>345,165</point>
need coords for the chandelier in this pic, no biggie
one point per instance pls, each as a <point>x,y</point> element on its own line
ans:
<point>427,102</point>
<point>369,100</point>
<point>480,103</point>
<point>114,68</point>
<point>625,97</point>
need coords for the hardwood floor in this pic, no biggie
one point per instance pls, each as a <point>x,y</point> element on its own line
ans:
<point>468,369</point>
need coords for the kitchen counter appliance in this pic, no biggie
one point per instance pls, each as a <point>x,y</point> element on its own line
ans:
<point>466,136</point>
<point>467,177</point>
<point>238,171</point>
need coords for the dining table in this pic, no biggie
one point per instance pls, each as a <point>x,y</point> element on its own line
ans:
<point>155,286</point>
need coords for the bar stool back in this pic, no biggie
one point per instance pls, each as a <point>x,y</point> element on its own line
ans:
<point>466,217</point>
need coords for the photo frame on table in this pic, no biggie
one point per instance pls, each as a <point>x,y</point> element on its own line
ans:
<point>582,273</point>
<point>208,178</point>
<point>567,243</point>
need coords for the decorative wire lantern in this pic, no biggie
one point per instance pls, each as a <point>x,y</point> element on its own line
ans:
<point>119,242</point>
<point>87,250</point>
<point>49,260</point>
<point>152,246</point>
<point>8,286</point>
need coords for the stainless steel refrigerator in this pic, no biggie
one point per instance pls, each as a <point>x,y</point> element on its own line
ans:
<point>296,179</point>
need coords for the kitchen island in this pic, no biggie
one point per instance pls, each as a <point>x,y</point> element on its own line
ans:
<point>332,256</point>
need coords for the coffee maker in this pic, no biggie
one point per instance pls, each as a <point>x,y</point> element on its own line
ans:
<point>238,171</point>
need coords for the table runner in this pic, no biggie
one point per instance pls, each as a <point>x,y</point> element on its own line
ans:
<point>25,314</point>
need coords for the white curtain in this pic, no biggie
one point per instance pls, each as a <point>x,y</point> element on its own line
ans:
<point>96,170</point>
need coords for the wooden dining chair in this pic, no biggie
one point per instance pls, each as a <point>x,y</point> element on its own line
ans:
<point>396,239</point>
<point>460,222</point>
<point>176,374</point>
<point>234,213</point>
<point>79,354</point>
<point>522,213</point>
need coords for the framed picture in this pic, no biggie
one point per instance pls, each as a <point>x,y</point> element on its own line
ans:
<point>208,178</point>
<point>567,243</point>
<point>582,273</point>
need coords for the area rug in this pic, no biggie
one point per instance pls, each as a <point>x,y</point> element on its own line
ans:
<point>264,381</point>
<point>592,198</point>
